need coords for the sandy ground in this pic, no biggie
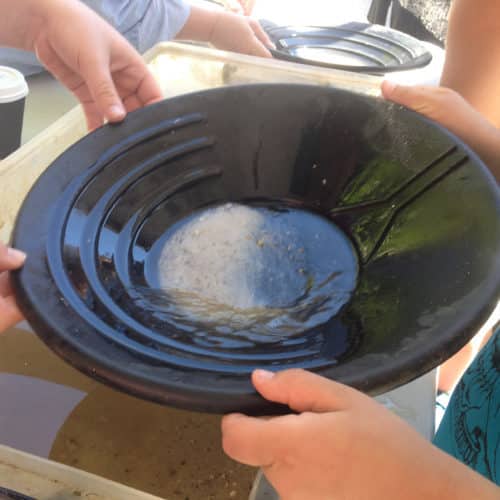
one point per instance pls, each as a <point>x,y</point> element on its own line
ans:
<point>174,454</point>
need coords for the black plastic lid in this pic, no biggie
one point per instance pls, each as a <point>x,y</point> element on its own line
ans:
<point>360,47</point>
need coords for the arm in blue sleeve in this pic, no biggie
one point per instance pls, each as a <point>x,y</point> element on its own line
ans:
<point>144,22</point>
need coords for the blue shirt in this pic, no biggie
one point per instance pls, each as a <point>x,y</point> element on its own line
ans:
<point>470,429</point>
<point>142,22</point>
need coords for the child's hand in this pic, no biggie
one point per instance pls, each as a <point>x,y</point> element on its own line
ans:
<point>247,6</point>
<point>241,6</point>
<point>93,60</point>
<point>239,34</point>
<point>343,445</point>
<point>451,110</point>
<point>10,259</point>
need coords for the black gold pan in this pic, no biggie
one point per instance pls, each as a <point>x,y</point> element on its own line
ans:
<point>359,47</point>
<point>268,226</point>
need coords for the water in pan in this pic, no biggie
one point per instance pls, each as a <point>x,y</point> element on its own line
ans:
<point>257,272</point>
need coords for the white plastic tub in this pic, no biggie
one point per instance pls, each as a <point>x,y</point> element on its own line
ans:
<point>46,480</point>
<point>180,68</point>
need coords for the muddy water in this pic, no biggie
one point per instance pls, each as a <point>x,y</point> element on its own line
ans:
<point>50,409</point>
<point>271,277</point>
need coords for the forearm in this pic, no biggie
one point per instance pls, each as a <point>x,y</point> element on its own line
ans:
<point>20,21</point>
<point>483,138</point>
<point>490,145</point>
<point>458,482</point>
<point>411,468</point>
<point>408,467</point>
<point>199,25</point>
<point>472,55</point>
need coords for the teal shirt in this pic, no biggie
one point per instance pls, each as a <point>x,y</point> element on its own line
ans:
<point>470,429</point>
